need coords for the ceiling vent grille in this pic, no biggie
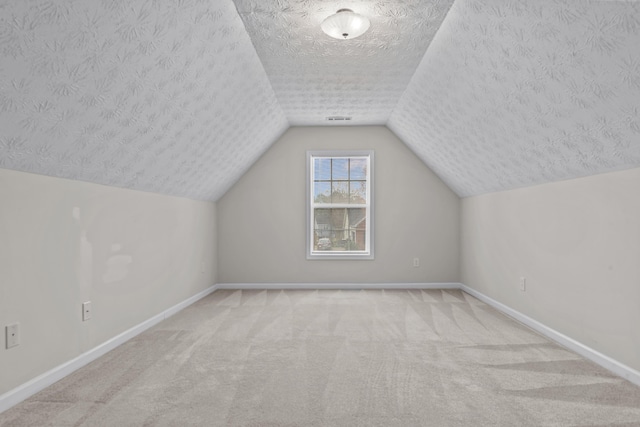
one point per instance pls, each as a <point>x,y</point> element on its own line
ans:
<point>338,118</point>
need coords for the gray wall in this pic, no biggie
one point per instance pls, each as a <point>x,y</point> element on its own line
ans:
<point>577,243</point>
<point>262,219</point>
<point>133,254</point>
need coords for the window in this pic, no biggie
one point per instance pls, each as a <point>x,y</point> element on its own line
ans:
<point>339,203</point>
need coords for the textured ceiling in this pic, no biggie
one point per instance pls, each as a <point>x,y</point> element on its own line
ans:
<point>159,96</point>
<point>513,93</point>
<point>315,76</point>
<point>181,97</point>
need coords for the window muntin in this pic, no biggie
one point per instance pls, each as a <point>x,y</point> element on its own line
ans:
<point>339,205</point>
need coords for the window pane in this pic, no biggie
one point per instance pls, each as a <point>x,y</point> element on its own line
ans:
<point>340,169</point>
<point>322,169</point>
<point>322,221</point>
<point>358,169</point>
<point>357,229</point>
<point>323,230</point>
<point>340,229</point>
<point>322,192</point>
<point>340,192</point>
<point>340,232</point>
<point>358,192</point>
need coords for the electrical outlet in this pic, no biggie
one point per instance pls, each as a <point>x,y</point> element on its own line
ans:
<point>13,335</point>
<point>416,262</point>
<point>523,284</point>
<point>86,311</point>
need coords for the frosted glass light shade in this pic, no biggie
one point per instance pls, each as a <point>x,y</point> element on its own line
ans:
<point>345,24</point>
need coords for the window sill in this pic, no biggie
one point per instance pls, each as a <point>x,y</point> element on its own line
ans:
<point>314,256</point>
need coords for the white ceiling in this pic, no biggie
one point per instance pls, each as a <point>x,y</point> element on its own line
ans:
<point>160,96</point>
<point>315,76</point>
<point>182,97</point>
<point>513,93</point>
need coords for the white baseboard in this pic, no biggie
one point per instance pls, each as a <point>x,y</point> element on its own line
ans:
<point>31,387</point>
<point>605,361</point>
<point>339,286</point>
<point>37,384</point>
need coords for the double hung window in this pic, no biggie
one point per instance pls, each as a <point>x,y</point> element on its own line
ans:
<point>339,200</point>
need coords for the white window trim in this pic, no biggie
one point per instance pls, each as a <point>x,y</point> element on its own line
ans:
<point>351,255</point>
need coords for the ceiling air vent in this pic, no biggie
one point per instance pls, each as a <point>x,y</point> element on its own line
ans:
<point>338,118</point>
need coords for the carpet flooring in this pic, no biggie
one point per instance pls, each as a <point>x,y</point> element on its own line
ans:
<point>336,358</point>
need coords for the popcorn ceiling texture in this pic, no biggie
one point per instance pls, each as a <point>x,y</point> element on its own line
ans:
<point>167,97</point>
<point>515,93</point>
<point>181,98</point>
<point>315,76</point>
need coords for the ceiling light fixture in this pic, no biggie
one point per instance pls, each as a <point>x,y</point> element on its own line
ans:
<point>345,24</point>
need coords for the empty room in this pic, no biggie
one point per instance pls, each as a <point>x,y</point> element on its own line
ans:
<point>320,213</point>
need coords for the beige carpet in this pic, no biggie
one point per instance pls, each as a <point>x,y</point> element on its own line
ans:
<point>336,358</point>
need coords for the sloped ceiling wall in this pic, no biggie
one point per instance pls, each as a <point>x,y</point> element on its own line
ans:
<point>160,96</point>
<point>315,76</point>
<point>172,97</point>
<point>513,93</point>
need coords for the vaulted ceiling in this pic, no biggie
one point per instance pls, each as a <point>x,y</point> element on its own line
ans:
<point>315,76</point>
<point>182,97</point>
<point>161,96</point>
<point>514,93</point>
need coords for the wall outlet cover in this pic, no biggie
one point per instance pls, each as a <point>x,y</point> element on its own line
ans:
<point>86,311</point>
<point>13,335</point>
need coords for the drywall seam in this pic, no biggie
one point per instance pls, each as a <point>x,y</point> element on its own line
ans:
<point>31,387</point>
<point>603,360</point>
<point>338,286</point>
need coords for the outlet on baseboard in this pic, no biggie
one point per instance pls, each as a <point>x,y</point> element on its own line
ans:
<point>523,284</point>
<point>12,335</point>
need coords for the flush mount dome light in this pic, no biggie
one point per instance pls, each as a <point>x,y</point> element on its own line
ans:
<point>345,24</point>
